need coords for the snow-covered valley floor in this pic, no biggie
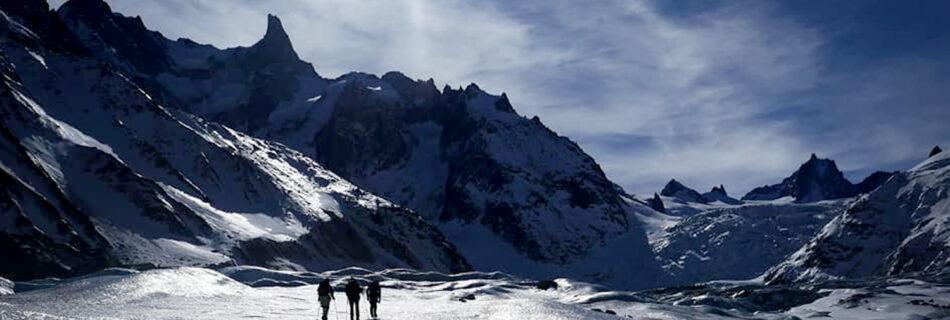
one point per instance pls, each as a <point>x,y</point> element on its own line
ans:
<point>196,293</point>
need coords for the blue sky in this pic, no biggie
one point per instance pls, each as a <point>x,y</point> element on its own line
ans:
<point>707,92</point>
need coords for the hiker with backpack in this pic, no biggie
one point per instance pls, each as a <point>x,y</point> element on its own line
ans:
<point>353,291</point>
<point>325,294</point>
<point>373,294</point>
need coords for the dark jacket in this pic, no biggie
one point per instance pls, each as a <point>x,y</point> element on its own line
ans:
<point>353,290</point>
<point>325,289</point>
<point>374,292</point>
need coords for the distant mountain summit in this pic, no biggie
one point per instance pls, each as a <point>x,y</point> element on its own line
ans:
<point>675,189</point>
<point>656,203</point>
<point>276,44</point>
<point>815,180</point>
<point>719,194</point>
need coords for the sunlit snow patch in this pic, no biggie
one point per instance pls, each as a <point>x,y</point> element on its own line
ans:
<point>38,58</point>
<point>6,287</point>
<point>65,130</point>
<point>241,226</point>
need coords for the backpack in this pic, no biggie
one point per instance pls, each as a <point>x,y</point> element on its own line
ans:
<point>373,290</point>
<point>353,290</point>
<point>323,289</point>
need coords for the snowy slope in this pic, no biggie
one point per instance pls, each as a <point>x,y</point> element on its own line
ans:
<point>96,173</point>
<point>739,242</point>
<point>6,287</point>
<point>463,158</point>
<point>697,242</point>
<point>902,226</point>
<point>194,293</point>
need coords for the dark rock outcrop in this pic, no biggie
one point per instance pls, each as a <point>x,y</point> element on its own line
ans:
<point>656,203</point>
<point>873,181</point>
<point>123,41</point>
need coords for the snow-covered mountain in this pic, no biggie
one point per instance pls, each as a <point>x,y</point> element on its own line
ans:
<point>902,226</point>
<point>507,191</point>
<point>96,173</point>
<point>816,180</point>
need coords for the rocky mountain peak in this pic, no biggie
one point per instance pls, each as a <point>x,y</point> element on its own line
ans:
<point>815,180</point>
<point>820,168</point>
<point>672,187</point>
<point>677,190</point>
<point>86,7</point>
<point>719,194</point>
<point>935,151</point>
<point>656,203</point>
<point>720,189</point>
<point>275,45</point>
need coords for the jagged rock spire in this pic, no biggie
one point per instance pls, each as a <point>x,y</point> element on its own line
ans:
<point>720,189</point>
<point>935,151</point>
<point>276,44</point>
<point>656,203</point>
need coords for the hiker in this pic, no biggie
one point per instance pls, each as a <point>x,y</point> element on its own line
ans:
<point>325,294</point>
<point>373,294</point>
<point>353,292</point>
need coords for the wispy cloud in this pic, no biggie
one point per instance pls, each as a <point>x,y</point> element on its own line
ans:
<point>737,93</point>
